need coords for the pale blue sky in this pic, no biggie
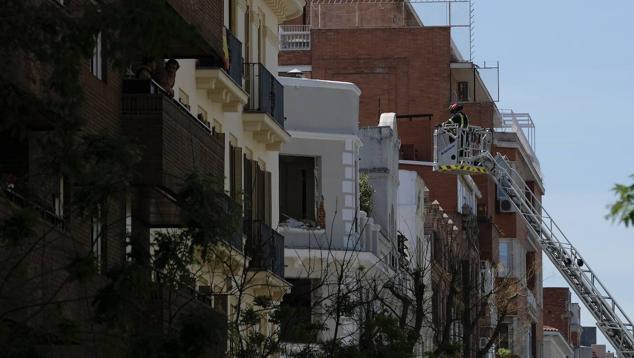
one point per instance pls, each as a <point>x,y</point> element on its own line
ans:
<point>570,64</point>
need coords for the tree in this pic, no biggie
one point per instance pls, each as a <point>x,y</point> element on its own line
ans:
<point>623,209</point>
<point>54,291</point>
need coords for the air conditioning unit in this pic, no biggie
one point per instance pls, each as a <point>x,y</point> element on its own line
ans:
<point>505,205</point>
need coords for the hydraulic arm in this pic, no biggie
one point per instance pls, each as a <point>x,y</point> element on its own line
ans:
<point>467,150</point>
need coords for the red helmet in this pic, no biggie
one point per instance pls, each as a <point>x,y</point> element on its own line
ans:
<point>455,107</point>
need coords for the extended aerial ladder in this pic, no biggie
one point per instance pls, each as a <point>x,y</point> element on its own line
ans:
<point>467,151</point>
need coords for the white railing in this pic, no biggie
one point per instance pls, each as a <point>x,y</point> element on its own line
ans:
<point>294,37</point>
<point>518,123</point>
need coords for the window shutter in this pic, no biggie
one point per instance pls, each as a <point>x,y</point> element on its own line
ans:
<point>237,154</point>
<point>248,189</point>
<point>267,198</point>
<point>260,189</point>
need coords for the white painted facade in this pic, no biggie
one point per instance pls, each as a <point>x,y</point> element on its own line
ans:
<point>212,93</point>
<point>555,346</point>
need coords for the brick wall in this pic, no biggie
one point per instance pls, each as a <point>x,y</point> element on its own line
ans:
<point>402,70</point>
<point>556,310</point>
<point>207,16</point>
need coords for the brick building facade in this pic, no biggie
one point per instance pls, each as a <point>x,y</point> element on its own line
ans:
<point>405,67</point>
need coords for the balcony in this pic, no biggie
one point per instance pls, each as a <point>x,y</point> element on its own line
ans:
<point>294,37</point>
<point>231,207</point>
<point>223,79</point>
<point>173,142</point>
<point>264,114</point>
<point>531,304</point>
<point>206,18</point>
<point>265,247</point>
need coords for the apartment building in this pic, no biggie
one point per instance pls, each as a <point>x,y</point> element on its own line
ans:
<point>241,100</point>
<point>222,116</point>
<point>520,257</point>
<point>555,344</point>
<point>565,316</point>
<point>416,71</point>
<point>379,162</point>
<point>413,199</point>
<point>331,244</point>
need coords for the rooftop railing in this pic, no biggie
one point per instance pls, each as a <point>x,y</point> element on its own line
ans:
<point>294,37</point>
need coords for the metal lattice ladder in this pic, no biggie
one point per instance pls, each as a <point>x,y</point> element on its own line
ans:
<point>543,230</point>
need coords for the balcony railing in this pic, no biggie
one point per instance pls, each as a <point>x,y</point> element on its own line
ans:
<point>266,93</point>
<point>294,37</point>
<point>231,208</point>
<point>265,246</point>
<point>160,124</point>
<point>234,65</point>
<point>45,213</point>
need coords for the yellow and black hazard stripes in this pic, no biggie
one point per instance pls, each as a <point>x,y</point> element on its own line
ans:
<point>463,168</point>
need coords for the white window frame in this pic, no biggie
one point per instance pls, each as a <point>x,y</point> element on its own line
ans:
<point>96,231</point>
<point>96,62</point>
<point>128,227</point>
<point>505,267</point>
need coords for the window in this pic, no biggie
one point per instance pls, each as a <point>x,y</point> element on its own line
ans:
<point>463,91</point>
<point>466,198</point>
<point>531,281</point>
<point>96,234</point>
<point>128,227</point>
<point>96,62</point>
<point>58,198</point>
<point>506,335</point>
<point>506,258</point>
<point>235,171</point>
<point>297,188</point>
<point>296,314</point>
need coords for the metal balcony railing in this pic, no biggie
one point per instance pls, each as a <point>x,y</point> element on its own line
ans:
<point>265,246</point>
<point>266,93</point>
<point>294,37</point>
<point>234,64</point>
<point>231,208</point>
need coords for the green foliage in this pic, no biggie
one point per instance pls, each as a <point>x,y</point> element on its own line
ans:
<point>102,168</point>
<point>207,213</point>
<point>17,228</point>
<point>366,193</point>
<point>623,209</point>
<point>81,268</point>
<point>504,353</point>
<point>41,39</point>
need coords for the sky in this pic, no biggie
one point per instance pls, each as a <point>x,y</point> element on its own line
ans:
<point>570,64</point>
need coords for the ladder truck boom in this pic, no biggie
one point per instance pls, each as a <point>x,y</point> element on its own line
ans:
<point>467,151</point>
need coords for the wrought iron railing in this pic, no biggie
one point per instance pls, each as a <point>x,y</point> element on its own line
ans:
<point>233,65</point>
<point>265,247</point>
<point>266,93</point>
<point>236,62</point>
<point>294,37</point>
<point>45,213</point>
<point>231,208</point>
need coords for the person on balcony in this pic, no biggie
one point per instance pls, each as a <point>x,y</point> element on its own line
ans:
<point>167,76</point>
<point>147,69</point>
